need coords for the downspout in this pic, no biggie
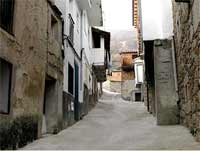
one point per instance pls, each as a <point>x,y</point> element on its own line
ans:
<point>175,73</point>
<point>47,36</point>
<point>174,64</point>
<point>82,49</point>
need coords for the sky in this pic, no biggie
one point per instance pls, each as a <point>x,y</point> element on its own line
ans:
<point>117,14</point>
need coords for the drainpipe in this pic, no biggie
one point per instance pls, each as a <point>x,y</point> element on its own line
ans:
<point>82,49</point>
<point>175,71</point>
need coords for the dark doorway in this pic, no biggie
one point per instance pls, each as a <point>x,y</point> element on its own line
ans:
<point>149,72</point>
<point>49,106</point>
<point>76,100</point>
<point>5,86</point>
<point>86,99</point>
<point>137,97</point>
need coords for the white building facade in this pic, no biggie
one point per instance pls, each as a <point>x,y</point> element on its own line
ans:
<point>80,81</point>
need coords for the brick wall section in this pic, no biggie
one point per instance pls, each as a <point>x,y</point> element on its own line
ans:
<point>187,42</point>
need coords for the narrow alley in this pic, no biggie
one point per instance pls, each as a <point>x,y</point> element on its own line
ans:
<point>118,124</point>
<point>99,74</point>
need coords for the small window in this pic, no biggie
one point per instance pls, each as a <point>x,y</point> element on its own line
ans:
<point>54,27</point>
<point>6,15</point>
<point>70,79</point>
<point>71,29</point>
<point>5,86</point>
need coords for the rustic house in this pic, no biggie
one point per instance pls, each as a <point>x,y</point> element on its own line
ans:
<point>128,75</point>
<point>31,66</point>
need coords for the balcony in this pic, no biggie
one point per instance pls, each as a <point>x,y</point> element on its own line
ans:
<point>98,56</point>
<point>98,63</point>
<point>100,53</point>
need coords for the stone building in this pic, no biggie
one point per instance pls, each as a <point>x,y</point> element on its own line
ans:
<point>53,98</point>
<point>114,81</point>
<point>186,15</point>
<point>31,63</point>
<point>128,75</point>
<point>160,93</point>
<point>51,63</point>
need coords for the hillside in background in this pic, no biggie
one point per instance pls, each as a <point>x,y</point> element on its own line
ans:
<point>122,40</point>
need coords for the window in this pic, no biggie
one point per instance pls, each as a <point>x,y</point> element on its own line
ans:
<point>54,27</point>
<point>5,86</point>
<point>96,40</point>
<point>6,15</point>
<point>71,29</point>
<point>70,79</point>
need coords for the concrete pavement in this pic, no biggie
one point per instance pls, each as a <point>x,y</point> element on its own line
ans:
<point>116,124</point>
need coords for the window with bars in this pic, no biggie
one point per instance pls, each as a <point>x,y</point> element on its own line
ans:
<point>6,15</point>
<point>71,29</point>
<point>5,86</point>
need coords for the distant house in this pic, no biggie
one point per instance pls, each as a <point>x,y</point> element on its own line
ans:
<point>114,81</point>
<point>128,74</point>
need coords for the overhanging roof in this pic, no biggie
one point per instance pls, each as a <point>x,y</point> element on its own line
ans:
<point>106,36</point>
<point>94,9</point>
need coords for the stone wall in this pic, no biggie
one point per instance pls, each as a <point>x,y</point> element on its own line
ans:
<point>165,99</point>
<point>187,44</point>
<point>115,86</point>
<point>26,49</point>
<point>127,88</point>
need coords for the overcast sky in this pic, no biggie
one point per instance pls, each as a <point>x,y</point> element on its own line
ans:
<point>117,14</point>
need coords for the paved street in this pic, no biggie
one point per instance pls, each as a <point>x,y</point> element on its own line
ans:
<point>117,124</point>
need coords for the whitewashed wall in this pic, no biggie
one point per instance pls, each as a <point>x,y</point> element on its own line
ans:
<point>82,39</point>
<point>63,6</point>
<point>139,70</point>
<point>76,15</point>
<point>66,7</point>
<point>86,30</point>
<point>98,54</point>
<point>157,21</point>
